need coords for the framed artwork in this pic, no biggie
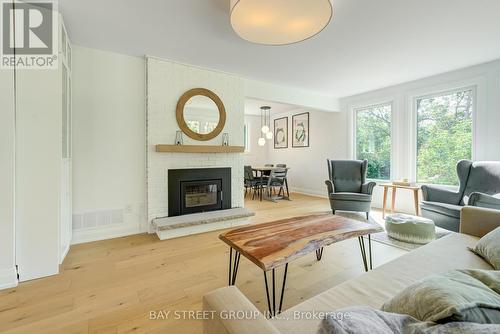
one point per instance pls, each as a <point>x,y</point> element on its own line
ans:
<point>281,132</point>
<point>300,130</point>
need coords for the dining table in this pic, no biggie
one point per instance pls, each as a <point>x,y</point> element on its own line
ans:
<point>262,170</point>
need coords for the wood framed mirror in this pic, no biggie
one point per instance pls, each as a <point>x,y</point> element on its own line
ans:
<point>200,114</point>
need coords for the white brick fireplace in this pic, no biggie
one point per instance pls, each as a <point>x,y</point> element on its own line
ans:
<point>166,82</point>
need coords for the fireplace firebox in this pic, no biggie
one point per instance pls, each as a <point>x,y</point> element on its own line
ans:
<point>198,190</point>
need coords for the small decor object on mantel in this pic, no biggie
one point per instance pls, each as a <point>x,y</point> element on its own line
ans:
<point>281,132</point>
<point>300,130</point>
<point>178,138</point>
<point>225,139</point>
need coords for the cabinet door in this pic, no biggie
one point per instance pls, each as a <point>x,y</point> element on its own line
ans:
<point>7,179</point>
<point>65,227</point>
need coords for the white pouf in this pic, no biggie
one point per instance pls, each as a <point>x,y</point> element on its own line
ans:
<point>408,228</point>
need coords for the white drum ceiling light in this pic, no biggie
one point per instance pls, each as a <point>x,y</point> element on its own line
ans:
<point>279,22</point>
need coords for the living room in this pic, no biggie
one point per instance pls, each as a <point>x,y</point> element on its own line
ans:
<point>147,148</point>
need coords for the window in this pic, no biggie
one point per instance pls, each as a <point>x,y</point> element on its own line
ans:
<point>373,140</point>
<point>444,135</point>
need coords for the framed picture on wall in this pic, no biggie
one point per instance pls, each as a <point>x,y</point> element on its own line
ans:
<point>300,130</point>
<point>281,132</point>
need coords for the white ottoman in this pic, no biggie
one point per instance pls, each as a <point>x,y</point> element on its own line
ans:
<point>411,229</point>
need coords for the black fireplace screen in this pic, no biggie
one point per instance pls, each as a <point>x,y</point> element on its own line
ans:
<point>200,195</point>
<point>198,190</point>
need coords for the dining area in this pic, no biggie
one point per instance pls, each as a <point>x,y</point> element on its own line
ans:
<point>268,182</point>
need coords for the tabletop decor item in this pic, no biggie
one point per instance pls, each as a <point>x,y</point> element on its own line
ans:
<point>225,139</point>
<point>300,130</point>
<point>178,138</point>
<point>281,132</point>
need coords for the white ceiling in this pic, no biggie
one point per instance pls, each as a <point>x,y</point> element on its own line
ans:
<point>368,45</point>
<point>252,106</point>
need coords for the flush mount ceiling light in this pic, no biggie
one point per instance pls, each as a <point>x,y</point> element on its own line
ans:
<point>279,22</point>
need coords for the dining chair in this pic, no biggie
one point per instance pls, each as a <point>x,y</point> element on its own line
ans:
<point>251,182</point>
<point>266,173</point>
<point>278,179</point>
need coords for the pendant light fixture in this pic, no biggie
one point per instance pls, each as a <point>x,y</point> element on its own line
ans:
<point>279,22</point>
<point>265,122</point>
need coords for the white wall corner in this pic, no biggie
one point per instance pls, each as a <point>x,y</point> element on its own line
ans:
<point>8,278</point>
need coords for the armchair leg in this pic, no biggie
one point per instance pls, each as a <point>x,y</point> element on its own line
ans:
<point>333,211</point>
<point>367,215</point>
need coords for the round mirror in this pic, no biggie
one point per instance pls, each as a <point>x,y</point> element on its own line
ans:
<point>200,114</point>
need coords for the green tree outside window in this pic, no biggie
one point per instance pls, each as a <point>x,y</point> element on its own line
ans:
<point>444,136</point>
<point>373,140</point>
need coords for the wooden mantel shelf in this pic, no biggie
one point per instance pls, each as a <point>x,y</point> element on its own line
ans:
<point>199,148</point>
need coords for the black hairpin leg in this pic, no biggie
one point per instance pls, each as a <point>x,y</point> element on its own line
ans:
<point>272,306</point>
<point>370,250</point>
<point>233,267</point>
<point>363,251</point>
<point>319,253</point>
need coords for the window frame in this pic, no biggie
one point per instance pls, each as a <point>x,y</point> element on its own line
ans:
<point>354,112</point>
<point>414,126</point>
<point>246,137</point>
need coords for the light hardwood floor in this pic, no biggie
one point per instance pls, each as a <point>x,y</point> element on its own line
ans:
<point>111,286</point>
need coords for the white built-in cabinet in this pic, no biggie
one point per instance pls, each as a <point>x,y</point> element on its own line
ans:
<point>43,165</point>
<point>66,126</point>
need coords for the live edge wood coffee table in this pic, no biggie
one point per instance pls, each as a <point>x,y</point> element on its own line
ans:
<point>274,244</point>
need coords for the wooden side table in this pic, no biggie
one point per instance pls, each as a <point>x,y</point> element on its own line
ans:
<point>394,187</point>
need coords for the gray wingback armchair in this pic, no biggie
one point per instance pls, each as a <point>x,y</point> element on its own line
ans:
<point>479,186</point>
<point>347,186</point>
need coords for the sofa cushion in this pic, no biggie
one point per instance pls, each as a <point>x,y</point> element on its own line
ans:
<point>384,282</point>
<point>358,197</point>
<point>442,208</point>
<point>458,295</point>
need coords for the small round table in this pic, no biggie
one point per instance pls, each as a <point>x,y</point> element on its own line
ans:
<point>394,187</point>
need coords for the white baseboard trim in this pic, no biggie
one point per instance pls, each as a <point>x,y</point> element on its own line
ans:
<point>64,253</point>
<point>103,233</point>
<point>8,278</point>
<point>310,192</point>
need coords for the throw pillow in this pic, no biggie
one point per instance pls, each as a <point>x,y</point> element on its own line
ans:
<point>459,295</point>
<point>488,248</point>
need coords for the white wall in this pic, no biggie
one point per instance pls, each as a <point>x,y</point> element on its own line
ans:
<point>308,168</point>
<point>167,81</point>
<point>109,158</point>
<point>486,79</point>
<point>256,155</point>
<point>8,274</point>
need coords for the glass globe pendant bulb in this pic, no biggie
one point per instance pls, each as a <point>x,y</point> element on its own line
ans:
<point>265,129</point>
<point>269,135</point>
<point>262,141</point>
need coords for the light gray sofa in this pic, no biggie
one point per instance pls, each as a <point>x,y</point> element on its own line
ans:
<point>372,288</point>
<point>347,186</point>
<point>479,186</point>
